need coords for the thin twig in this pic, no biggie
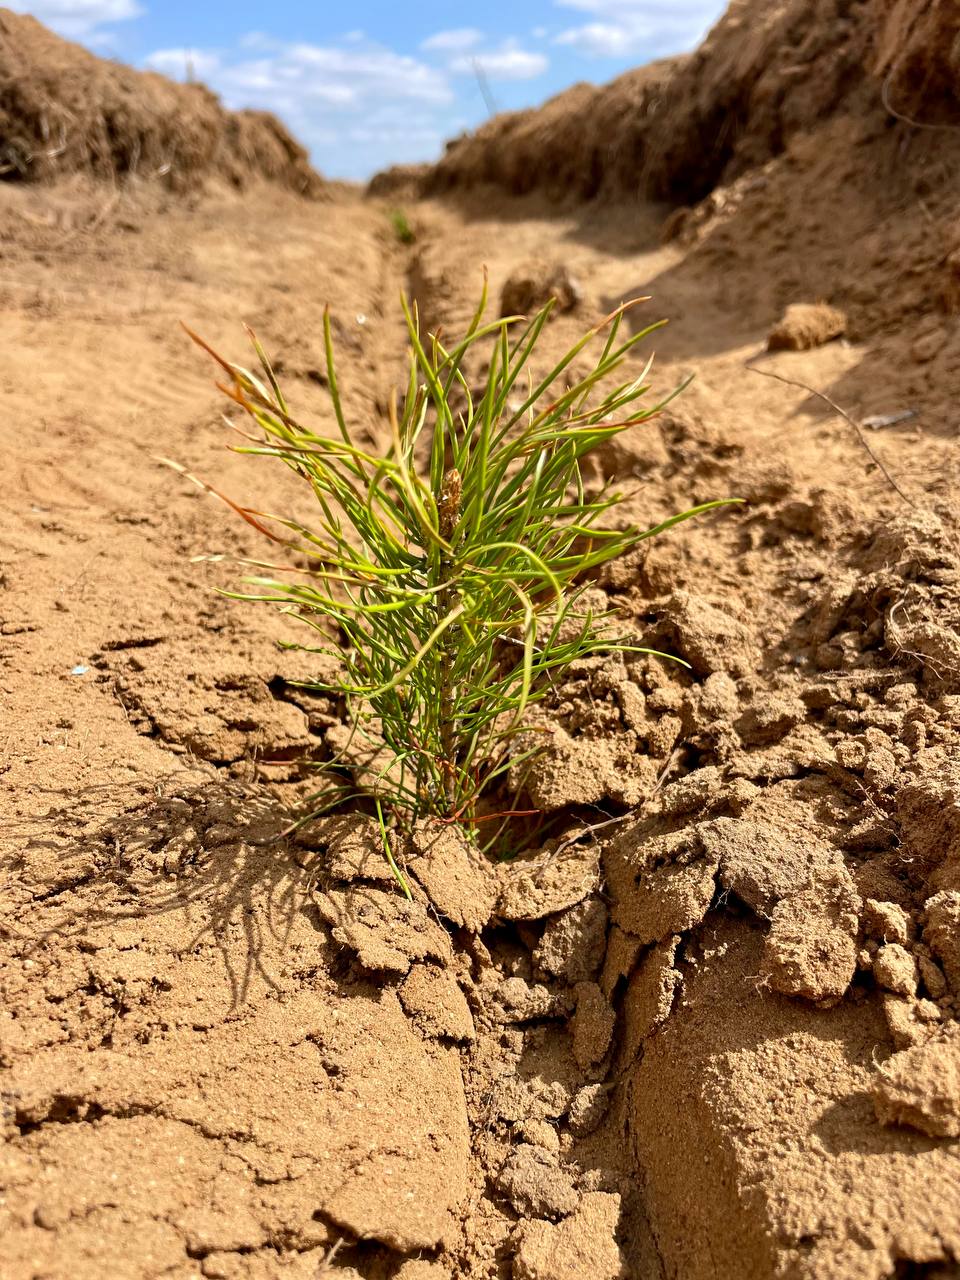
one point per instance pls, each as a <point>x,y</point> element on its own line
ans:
<point>898,115</point>
<point>586,831</point>
<point>864,442</point>
<point>671,761</point>
<point>326,1262</point>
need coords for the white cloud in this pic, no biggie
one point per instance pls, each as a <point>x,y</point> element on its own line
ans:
<point>271,74</point>
<point>507,62</point>
<point>79,17</point>
<point>371,71</point>
<point>179,63</point>
<point>453,41</point>
<point>358,104</point>
<point>465,48</point>
<point>600,39</point>
<point>651,10</point>
<point>645,28</point>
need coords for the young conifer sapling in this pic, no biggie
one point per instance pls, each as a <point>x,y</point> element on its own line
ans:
<point>447,573</point>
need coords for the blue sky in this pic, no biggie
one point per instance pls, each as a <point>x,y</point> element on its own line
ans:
<point>374,82</point>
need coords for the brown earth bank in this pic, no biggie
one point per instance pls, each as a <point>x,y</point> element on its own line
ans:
<point>714,1037</point>
<point>63,110</point>
<point>766,73</point>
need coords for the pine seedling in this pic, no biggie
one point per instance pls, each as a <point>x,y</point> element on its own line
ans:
<point>401,227</point>
<point>447,575</point>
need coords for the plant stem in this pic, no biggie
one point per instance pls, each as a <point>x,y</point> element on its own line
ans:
<point>397,873</point>
<point>448,506</point>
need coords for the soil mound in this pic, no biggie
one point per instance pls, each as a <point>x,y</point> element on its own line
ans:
<point>811,150</point>
<point>63,110</point>
<point>765,74</point>
<point>584,142</point>
<point>844,189</point>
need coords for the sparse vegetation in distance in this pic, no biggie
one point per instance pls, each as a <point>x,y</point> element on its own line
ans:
<point>453,566</point>
<point>401,227</point>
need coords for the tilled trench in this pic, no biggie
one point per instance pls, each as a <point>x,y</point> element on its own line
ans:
<point>702,1026</point>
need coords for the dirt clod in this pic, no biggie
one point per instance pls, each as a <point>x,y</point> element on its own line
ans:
<point>805,325</point>
<point>384,930</point>
<point>592,1025</point>
<point>573,943</point>
<point>811,950</point>
<point>895,969</point>
<point>536,1185</point>
<point>885,921</point>
<point>583,1244</point>
<point>588,1109</point>
<point>518,1001</point>
<point>574,770</point>
<point>711,640</point>
<point>352,848</point>
<point>663,886</point>
<point>534,284</point>
<point>547,884</point>
<point>761,864</point>
<point>921,1086</point>
<point>909,1021</point>
<point>941,933</point>
<point>433,999</point>
<point>458,882</point>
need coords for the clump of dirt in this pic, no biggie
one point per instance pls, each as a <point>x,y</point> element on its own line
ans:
<point>63,110</point>
<point>536,283</point>
<point>805,325</point>
<point>920,1086</point>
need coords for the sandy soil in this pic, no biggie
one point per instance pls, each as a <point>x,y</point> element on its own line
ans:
<point>716,1038</point>
<point>226,1056</point>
